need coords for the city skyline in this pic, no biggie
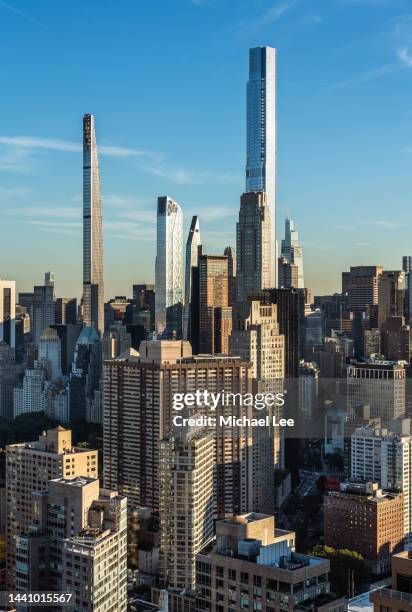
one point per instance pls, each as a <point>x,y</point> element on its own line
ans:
<point>40,150</point>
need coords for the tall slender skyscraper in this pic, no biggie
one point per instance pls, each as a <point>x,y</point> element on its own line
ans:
<point>261,133</point>
<point>93,288</point>
<point>192,256</point>
<point>169,268</point>
<point>292,251</point>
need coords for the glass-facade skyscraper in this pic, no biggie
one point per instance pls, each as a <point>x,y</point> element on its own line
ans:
<point>93,288</point>
<point>169,269</point>
<point>261,132</point>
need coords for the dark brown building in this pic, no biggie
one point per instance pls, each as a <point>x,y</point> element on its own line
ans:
<point>367,520</point>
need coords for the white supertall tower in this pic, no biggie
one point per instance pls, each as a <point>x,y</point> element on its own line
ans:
<point>261,133</point>
<point>169,269</point>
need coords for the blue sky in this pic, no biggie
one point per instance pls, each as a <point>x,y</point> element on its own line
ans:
<point>166,82</point>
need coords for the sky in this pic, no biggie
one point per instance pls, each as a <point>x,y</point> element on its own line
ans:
<point>166,81</point>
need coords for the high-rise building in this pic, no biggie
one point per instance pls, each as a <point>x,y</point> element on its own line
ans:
<point>372,342</point>
<point>93,287</point>
<point>230,253</point>
<point>49,279</point>
<point>138,411</point>
<point>50,349</point>
<point>253,563</point>
<point>29,467</point>
<point>8,312</point>
<point>186,506</point>
<point>66,311</point>
<point>392,291</point>
<point>332,359</point>
<point>193,243</point>
<point>367,520</point>
<point>30,397</point>
<point>77,544</point>
<point>9,379</point>
<point>314,330</point>
<point>169,269</point>
<point>261,138</point>
<point>84,385</point>
<point>291,318</point>
<point>292,252</point>
<point>396,345</point>
<point>256,339</point>
<point>383,456</point>
<point>144,300</point>
<point>115,341</point>
<point>255,262</point>
<point>213,326</point>
<point>361,284</point>
<point>68,335</point>
<point>43,310</point>
<point>26,300</point>
<point>407,263</point>
<point>288,273</point>
<point>378,384</point>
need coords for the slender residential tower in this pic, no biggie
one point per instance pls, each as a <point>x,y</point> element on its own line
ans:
<point>169,269</point>
<point>192,255</point>
<point>261,133</point>
<point>93,289</point>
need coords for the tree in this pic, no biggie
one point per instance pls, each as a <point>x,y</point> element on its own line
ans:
<point>345,565</point>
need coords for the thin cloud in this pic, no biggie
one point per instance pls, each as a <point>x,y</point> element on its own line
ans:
<point>65,224</point>
<point>16,11</point>
<point>63,212</point>
<point>274,13</point>
<point>15,191</point>
<point>212,213</point>
<point>405,57</point>
<point>52,144</point>
<point>180,176</point>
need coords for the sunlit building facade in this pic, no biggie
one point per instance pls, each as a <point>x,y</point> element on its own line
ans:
<point>93,288</point>
<point>169,269</point>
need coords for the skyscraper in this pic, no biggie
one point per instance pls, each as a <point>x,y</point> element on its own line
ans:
<point>361,284</point>
<point>379,384</point>
<point>253,245</point>
<point>255,338</point>
<point>9,379</point>
<point>8,312</point>
<point>192,255</point>
<point>30,466</point>
<point>215,314</point>
<point>93,288</point>
<point>261,133</point>
<point>380,455</point>
<point>186,506</point>
<point>231,268</point>
<point>43,310</point>
<point>76,543</point>
<point>169,268</point>
<point>292,251</point>
<point>50,348</point>
<point>407,263</point>
<point>138,414</point>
